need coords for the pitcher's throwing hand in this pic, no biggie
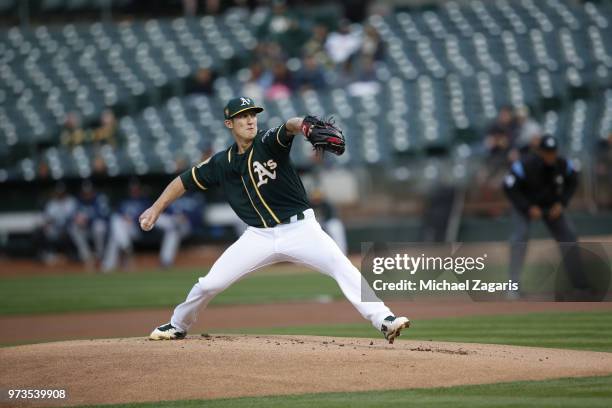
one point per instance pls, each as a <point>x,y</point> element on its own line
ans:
<point>147,219</point>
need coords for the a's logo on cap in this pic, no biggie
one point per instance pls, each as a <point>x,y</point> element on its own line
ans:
<point>550,142</point>
<point>245,101</point>
<point>226,112</point>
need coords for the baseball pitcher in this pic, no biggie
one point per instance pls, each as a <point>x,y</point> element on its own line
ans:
<point>263,188</point>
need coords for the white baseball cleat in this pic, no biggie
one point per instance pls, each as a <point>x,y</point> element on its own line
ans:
<point>392,326</point>
<point>167,332</point>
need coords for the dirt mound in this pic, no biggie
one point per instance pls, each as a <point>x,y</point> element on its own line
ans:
<point>202,367</point>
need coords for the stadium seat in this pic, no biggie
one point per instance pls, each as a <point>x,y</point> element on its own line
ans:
<point>446,72</point>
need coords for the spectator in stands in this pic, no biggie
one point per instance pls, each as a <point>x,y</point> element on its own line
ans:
<point>259,80</point>
<point>124,230</point>
<point>529,131</point>
<point>98,166</point>
<point>202,82</point>
<point>282,84</point>
<point>55,235</point>
<point>268,53</point>
<point>342,44</point>
<point>283,27</point>
<point>540,187</point>
<point>327,216</point>
<point>106,131</point>
<point>498,142</point>
<point>90,223</point>
<point>311,75</point>
<point>371,44</point>
<point>501,133</point>
<point>190,7</point>
<point>315,45</point>
<point>208,7</point>
<point>72,133</point>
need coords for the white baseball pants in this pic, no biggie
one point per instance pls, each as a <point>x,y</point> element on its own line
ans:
<point>302,242</point>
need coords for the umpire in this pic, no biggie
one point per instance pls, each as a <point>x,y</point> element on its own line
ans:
<point>540,186</point>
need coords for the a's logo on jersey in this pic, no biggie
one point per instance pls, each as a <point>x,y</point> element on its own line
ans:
<point>245,101</point>
<point>265,171</point>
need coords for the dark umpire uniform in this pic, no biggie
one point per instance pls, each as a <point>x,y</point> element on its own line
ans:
<point>540,186</point>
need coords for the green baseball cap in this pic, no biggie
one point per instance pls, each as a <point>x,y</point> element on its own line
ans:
<point>240,104</point>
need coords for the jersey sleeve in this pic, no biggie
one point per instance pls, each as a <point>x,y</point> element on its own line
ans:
<point>278,140</point>
<point>201,177</point>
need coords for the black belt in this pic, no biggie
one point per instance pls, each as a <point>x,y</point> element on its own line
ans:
<point>300,216</point>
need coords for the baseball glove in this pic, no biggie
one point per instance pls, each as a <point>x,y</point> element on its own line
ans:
<point>323,135</point>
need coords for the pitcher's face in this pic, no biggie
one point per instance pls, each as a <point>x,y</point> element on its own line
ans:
<point>243,125</point>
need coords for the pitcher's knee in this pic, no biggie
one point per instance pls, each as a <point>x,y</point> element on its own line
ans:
<point>211,286</point>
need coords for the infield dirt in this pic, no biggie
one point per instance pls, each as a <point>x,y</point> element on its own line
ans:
<point>129,323</point>
<point>135,370</point>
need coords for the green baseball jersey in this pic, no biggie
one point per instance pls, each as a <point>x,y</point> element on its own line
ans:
<point>260,185</point>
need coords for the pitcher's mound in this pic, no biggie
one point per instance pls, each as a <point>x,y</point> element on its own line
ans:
<point>133,370</point>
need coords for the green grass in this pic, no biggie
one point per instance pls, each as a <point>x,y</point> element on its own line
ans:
<point>578,330</point>
<point>566,392</point>
<point>157,289</point>
<point>73,293</point>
